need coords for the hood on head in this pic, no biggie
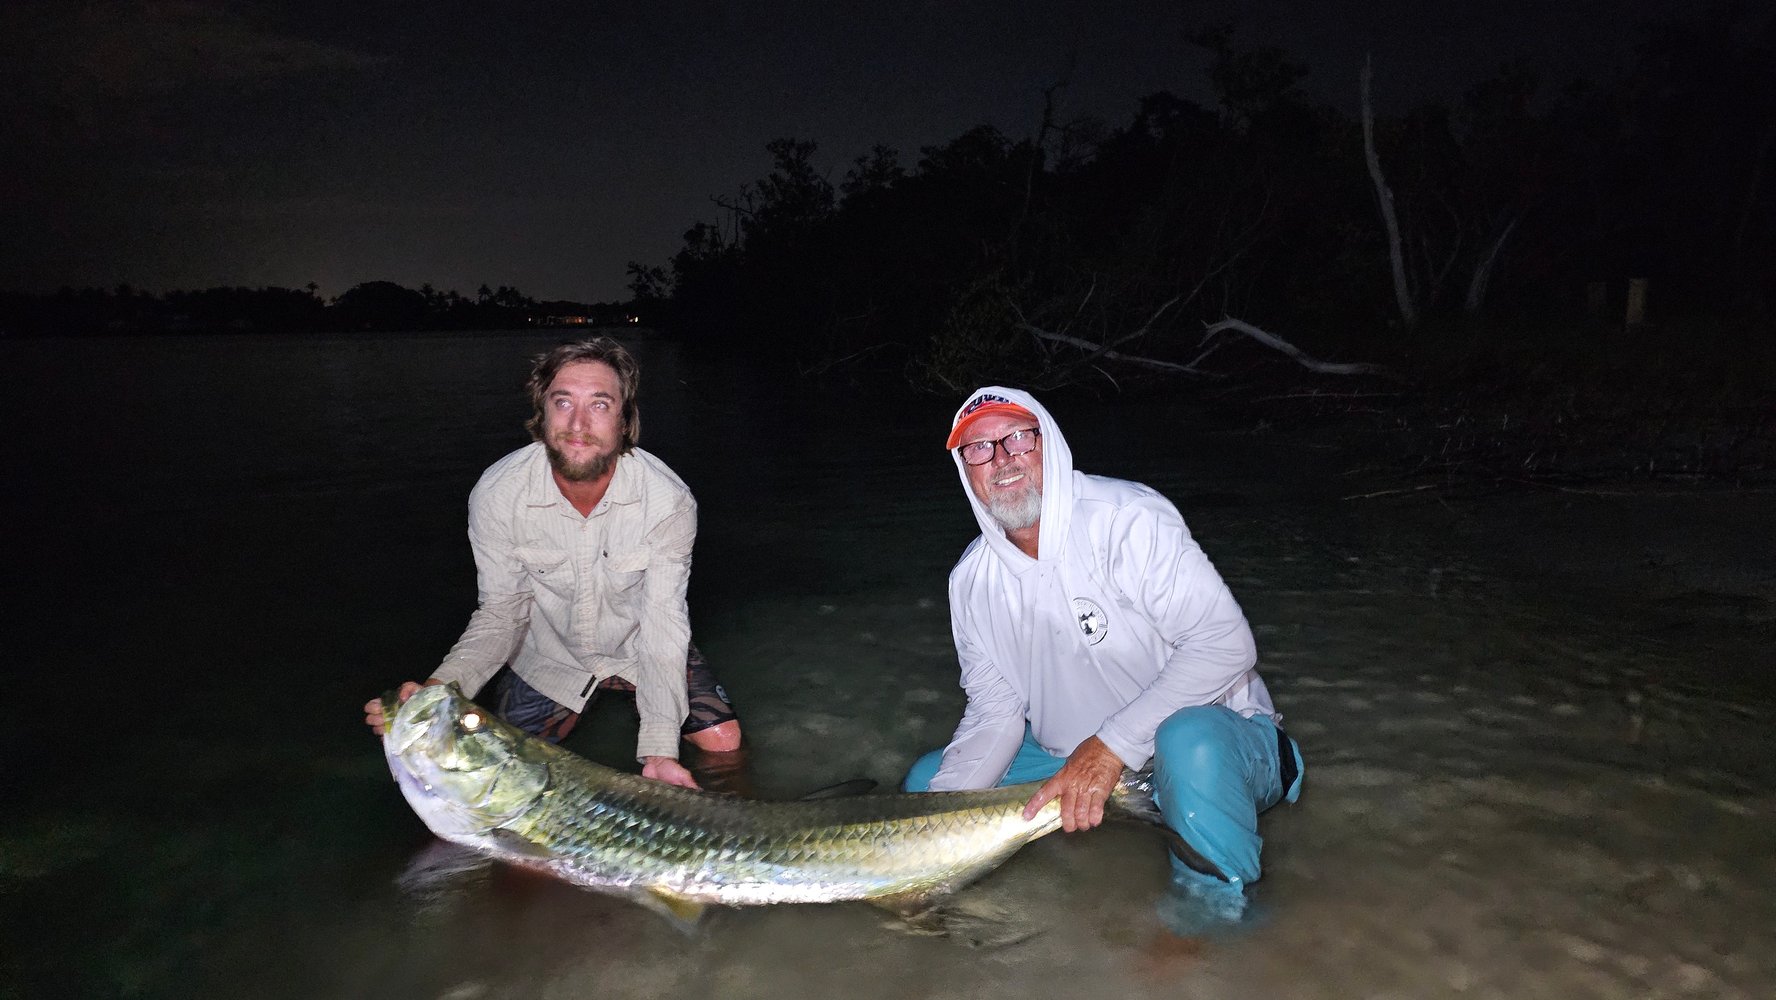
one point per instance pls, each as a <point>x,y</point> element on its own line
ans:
<point>1057,473</point>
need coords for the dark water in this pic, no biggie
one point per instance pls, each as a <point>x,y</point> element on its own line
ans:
<point>219,547</point>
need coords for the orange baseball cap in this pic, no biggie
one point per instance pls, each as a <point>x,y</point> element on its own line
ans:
<point>982,406</point>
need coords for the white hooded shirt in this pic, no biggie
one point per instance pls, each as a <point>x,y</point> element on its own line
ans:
<point>1119,622</point>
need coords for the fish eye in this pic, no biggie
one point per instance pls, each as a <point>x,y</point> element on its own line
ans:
<point>471,721</point>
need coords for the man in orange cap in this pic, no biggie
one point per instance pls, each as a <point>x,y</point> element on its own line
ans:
<point>1094,635</point>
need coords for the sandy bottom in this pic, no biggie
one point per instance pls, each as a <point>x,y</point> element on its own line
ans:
<point>1539,765</point>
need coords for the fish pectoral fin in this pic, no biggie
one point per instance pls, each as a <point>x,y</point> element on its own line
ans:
<point>440,866</point>
<point>684,912</point>
<point>516,847</point>
<point>908,906</point>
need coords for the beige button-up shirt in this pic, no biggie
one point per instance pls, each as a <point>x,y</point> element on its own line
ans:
<point>570,600</point>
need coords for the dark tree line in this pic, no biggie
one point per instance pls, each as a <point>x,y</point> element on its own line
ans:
<point>1516,204</point>
<point>372,305</point>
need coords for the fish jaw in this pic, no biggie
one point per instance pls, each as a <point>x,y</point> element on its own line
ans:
<point>463,771</point>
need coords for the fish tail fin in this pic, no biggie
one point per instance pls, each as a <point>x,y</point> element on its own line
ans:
<point>1133,796</point>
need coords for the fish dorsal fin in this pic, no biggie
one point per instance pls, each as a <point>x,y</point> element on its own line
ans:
<point>682,910</point>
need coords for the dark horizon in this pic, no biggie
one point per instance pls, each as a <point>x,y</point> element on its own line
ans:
<point>198,146</point>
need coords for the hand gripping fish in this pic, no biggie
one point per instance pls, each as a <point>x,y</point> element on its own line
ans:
<point>481,783</point>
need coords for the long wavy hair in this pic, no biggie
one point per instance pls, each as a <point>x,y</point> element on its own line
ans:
<point>545,367</point>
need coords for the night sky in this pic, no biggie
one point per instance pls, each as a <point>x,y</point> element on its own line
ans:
<point>544,145</point>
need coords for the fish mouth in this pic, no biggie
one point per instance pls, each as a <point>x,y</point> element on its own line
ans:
<point>408,722</point>
<point>460,768</point>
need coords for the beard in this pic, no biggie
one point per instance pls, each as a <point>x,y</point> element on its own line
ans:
<point>584,471</point>
<point>1017,508</point>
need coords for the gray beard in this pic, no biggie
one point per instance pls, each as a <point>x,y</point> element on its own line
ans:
<point>585,471</point>
<point>1016,510</point>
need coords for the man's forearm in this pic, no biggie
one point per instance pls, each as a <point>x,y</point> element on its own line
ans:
<point>981,751</point>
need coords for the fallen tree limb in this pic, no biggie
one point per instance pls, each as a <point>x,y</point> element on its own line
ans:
<point>1277,343</point>
<point>1268,339</point>
<point>1108,353</point>
<point>1391,493</point>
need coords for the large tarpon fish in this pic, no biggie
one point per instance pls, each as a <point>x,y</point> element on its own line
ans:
<point>484,784</point>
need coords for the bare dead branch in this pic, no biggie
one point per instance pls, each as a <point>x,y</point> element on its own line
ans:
<point>1107,353</point>
<point>1088,295</point>
<point>734,206</point>
<point>1402,293</point>
<point>1104,350</point>
<point>1483,271</point>
<point>1391,493</point>
<point>1148,326</point>
<point>1277,343</point>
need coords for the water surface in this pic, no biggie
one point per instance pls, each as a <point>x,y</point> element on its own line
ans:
<point>1537,757</point>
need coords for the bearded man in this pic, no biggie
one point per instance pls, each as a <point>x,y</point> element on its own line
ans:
<point>582,546</point>
<point>1094,635</point>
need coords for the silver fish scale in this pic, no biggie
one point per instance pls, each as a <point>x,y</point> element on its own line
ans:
<point>612,830</point>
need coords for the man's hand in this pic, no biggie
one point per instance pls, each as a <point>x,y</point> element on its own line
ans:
<point>373,708</point>
<point>668,770</point>
<point>1083,785</point>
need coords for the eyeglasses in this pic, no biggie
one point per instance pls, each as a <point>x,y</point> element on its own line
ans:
<point>1019,442</point>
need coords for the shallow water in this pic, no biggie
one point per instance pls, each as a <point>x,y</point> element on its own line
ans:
<point>1539,761</point>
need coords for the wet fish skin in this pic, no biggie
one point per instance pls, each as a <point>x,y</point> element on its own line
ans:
<point>480,782</point>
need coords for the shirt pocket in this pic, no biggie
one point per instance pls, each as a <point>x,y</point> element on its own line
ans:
<point>620,602</point>
<point>548,569</point>
<point>625,570</point>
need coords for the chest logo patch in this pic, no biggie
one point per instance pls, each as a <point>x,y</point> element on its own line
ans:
<point>1092,620</point>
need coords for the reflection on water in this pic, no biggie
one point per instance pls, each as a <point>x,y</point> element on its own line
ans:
<point>220,547</point>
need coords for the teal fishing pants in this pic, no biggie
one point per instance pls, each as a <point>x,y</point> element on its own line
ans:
<point>1214,771</point>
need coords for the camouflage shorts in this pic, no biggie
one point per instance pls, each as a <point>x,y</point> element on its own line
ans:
<point>538,714</point>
